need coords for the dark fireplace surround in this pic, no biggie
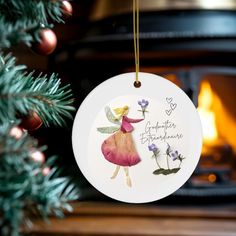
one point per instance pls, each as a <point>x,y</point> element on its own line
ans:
<point>187,45</point>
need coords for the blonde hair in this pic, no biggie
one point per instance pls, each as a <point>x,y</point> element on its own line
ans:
<point>121,111</point>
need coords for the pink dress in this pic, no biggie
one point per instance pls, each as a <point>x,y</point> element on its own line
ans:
<point>119,148</point>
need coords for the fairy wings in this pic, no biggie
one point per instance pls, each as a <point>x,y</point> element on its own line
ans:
<point>125,123</point>
<point>112,119</point>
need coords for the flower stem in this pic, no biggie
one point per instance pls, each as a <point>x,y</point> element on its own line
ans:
<point>167,162</point>
<point>157,163</point>
<point>180,164</point>
<point>143,111</point>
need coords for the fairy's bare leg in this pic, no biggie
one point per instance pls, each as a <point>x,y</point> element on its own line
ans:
<point>128,179</point>
<point>115,172</point>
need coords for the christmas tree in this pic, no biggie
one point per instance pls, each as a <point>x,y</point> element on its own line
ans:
<point>29,184</point>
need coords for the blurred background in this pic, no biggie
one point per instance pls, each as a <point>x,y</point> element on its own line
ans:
<point>190,42</point>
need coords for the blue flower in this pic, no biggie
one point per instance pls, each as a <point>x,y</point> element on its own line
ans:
<point>174,155</point>
<point>156,153</point>
<point>143,103</point>
<point>153,148</point>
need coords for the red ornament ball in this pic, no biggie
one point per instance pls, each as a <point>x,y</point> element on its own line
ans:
<point>31,122</point>
<point>67,9</point>
<point>47,44</point>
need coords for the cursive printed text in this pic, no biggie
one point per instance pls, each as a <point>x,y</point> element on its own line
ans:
<point>162,131</point>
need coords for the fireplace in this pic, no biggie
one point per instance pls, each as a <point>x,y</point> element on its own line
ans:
<point>213,93</point>
<point>193,48</point>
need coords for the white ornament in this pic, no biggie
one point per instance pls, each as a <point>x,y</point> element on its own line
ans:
<point>137,144</point>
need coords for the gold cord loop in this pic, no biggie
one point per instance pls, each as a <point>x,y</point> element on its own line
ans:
<point>137,83</point>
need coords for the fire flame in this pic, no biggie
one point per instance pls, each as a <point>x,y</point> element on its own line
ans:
<point>207,115</point>
<point>218,123</point>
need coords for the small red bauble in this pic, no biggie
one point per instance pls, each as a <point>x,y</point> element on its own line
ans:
<point>67,9</point>
<point>47,44</point>
<point>31,122</point>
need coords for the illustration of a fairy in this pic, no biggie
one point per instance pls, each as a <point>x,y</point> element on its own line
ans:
<point>119,148</point>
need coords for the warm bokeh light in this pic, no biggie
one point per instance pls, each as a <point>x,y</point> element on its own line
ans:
<point>207,115</point>
<point>212,178</point>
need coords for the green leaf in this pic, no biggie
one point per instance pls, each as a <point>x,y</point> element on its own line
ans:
<point>166,171</point>
<point>158,171</point>
<point>175,170</point>
<point>108,130</point>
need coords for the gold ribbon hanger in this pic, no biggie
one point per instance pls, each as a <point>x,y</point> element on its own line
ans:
<point>137,83</point>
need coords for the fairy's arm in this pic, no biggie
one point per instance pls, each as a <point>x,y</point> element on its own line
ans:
<point>130,120</point>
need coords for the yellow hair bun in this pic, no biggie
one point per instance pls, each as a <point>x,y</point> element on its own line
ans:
<point>121,111</point>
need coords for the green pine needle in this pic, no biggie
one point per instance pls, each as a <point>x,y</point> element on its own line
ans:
<point>21,93</point>
<point>24,190</point>
<point>20,21</point>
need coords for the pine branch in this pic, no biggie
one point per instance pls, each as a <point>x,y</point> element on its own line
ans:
<point>22,31</point>
<point>21,93</point>
<point>24,188</point>
<point>38,10</point>
<point>20,21</point>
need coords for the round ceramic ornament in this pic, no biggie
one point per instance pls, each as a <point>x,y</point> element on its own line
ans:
<point>137,145</point>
